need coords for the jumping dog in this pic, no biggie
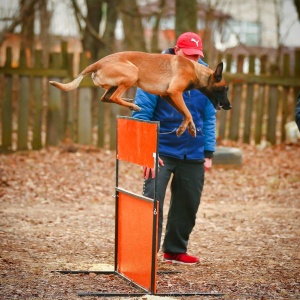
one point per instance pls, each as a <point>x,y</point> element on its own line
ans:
<point>161,74</point>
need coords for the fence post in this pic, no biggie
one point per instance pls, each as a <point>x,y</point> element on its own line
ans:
<point>297,63</point>
<point>272,114</point>
<point>236,106</point>
<point>297,75</point>
<point>37,104</point>
<point>223,114</point>
<point>114,111</point>
<point>283,96</point>
<point>249,103</point>
<point>84,107</point>
<point>23,111</point>
<point>260,102</point>
<point>7,107</point>
<point>69,101</point>
<point>100,119</point>
<point>54,113</point>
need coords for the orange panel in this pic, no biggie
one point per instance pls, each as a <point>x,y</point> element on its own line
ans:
<point>135,230</point>
<point>137,141</point>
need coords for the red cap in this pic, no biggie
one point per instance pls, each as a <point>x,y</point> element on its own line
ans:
<point>190,43</point>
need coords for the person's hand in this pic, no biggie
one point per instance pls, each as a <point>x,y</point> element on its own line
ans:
<point>147,172</point>
<point>207,164</point>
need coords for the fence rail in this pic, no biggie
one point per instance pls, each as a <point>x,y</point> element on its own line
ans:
<point>35,115</point>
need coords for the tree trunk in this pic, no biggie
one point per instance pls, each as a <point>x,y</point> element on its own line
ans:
<point>108,38</point>
<point>26,9</point>
<point>207,39</point>
<point>27,31</point>
<point>45,17</point>
<point>186,16</point>
<point>133,28</point>
<point>297,4</point>
<point>154,39</point>
<point>93,19</point>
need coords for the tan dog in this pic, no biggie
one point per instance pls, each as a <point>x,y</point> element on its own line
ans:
<point>161,74</point>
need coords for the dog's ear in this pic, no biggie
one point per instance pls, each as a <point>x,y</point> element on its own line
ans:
<point>218,72</point>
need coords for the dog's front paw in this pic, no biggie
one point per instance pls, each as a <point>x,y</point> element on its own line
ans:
<point>180,131</point>
<point>192,130</point>
<point>134,107</point>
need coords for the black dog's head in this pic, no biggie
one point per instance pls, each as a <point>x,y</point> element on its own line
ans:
<point>216,90</point>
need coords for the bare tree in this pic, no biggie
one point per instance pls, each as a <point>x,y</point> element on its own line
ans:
<point>186,16</point>
<point>158,15</point>
<point>27,32</point>
<point>45,18</point>
<point>90,33</point>
<point>297,4</point>
<point>132,24</point>
<point>25,14</point>
<point>91,39</point>
<point>108,37</point>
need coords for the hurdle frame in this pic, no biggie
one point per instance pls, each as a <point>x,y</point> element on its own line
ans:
<point>151,290</point>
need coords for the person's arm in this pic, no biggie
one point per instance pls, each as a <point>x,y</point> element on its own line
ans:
<point>297,112</point>
<point>209,131</point>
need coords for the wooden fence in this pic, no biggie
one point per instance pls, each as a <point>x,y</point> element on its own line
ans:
<point>35,115</point>
<point>261,104</point>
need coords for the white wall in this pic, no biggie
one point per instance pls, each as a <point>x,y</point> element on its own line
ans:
<point>264,11</point>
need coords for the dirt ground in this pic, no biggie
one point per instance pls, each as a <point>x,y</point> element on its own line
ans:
<point>57,213</point>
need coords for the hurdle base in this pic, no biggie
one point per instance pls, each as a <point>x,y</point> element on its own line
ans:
<point>96,294</point>
<point>133,284</point>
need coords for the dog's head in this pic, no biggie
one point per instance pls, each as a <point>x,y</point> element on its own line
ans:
<point>216,89</point>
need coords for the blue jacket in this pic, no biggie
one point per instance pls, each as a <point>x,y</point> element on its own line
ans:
<point>154,108</point>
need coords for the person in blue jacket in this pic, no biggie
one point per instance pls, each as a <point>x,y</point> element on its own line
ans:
<point>184,157</point>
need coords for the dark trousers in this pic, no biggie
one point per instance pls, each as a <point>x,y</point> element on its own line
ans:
<point>186,188</point>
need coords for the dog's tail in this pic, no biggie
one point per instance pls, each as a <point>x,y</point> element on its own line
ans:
<point>68,86</point>
<point>75,83</point>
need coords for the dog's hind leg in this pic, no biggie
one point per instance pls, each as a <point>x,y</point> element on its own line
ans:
<point>177,102</point>
<point>106,96</point>
<point>113,95</point>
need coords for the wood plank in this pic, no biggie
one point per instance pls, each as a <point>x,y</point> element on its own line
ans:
<point>235,112</point>
<point>7,112</point>
<point>85,116</point>
<point>23,106</point>
<point>221,124</point>
<point>37,113</point>
<point>54,116</point>
<point>100,121</point>
<point>54,122</point>
<point>248,114</point>
<point>249,103</point>
<point>259,111</point>
<point>297,64</point>
<point>84,107</point>
<point>284,112</point>
<point>37,103</point>
<point>36,72</point>
<point>262,79</point>
<point>23,114</point>
<point>228,62</point>
<point>114,112</point>
<point>223,117</point>
<point>272,114</point>
<point>69,114</point>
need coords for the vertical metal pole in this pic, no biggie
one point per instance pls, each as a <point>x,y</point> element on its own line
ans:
<point>116,200</point>
<point>155,214</point>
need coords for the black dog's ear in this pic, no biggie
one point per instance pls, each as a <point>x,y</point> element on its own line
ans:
<point>218,72</point>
